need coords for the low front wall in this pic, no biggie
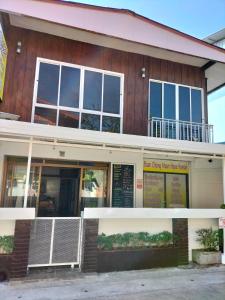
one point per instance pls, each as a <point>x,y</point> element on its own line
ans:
<point>95,260</point>
<point>7,227</point>
<point>136,259</point>
<point>14,265</point>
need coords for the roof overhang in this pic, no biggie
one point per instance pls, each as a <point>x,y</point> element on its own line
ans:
<point>125,31</point>
<point>216,77</point>
<point>215,37</point>
<point>70,137</point>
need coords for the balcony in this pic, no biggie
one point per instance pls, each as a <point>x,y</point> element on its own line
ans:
<point>180,130</point>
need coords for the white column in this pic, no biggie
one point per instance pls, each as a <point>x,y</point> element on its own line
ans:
<point>223,170</point>
<point>28,173</point>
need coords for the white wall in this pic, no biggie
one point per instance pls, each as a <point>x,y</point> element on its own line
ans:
<point>7,227</point>
<point>195,224</point>
<point>110,226</point>
<point>206,185</point>
<point>205,178</point>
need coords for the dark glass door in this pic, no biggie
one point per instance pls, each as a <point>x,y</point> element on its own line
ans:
<point>59,192</point>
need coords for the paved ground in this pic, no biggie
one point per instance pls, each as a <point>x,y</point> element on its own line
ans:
<point>173,283</point>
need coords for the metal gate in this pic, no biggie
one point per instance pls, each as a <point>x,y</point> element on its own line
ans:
<point>55,242</point>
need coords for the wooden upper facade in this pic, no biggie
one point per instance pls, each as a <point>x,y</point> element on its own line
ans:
<point>20,72</point>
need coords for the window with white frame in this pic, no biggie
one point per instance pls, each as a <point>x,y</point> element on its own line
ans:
<point>78,97</point>
<point>174,103</point>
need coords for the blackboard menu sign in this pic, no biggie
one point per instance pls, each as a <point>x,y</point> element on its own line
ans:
<point>122,185</point>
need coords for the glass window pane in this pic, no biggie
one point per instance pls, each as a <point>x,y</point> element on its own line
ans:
<point>33,187</point>
<point>184,103</point>
<point>45,116</point>
<point>169,101</point>
<point>196,106</point>
<point>8,201</point>
<point>48,82</point>
<point>68,119</point>
<point>176,191</point>
<point>92,90</point>
<point>154,194</point>
<point>70,87</point>
<point>91,122</point>
<point>93,193</point>
<point>15,185</point>
<point>110,124</point>
<point>155,100</point>
<point>111,95</point>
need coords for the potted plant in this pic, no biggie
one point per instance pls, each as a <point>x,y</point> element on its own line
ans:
<point>210,253</point>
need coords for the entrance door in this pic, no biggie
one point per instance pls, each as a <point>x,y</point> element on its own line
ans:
<point>59,192</point>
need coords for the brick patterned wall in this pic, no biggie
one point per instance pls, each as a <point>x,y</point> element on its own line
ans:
<point>19,260</point>
<point>89,247</point>
<point>180,230</point>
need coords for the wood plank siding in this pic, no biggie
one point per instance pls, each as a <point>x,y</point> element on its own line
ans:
<point>19,82</point>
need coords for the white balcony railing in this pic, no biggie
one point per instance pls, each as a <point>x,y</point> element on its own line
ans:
<point>181,130</point>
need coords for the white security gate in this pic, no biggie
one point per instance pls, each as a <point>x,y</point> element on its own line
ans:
<point>55,242</point>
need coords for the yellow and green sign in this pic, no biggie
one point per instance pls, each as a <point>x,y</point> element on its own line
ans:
<point>3,60</point>
<point>166,166</point>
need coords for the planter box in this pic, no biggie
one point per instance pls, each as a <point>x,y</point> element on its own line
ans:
<point>136,259</point>
<point>202,257</point>
<point>5,266</point>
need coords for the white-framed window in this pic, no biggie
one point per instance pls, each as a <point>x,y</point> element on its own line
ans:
<point>174,101</point>
<point>172,107</point>
<point>77,96</point>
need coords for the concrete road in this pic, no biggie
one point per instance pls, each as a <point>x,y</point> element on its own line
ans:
<point>173,283</point>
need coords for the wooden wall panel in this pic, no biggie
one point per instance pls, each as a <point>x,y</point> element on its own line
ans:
<point>19,83</point>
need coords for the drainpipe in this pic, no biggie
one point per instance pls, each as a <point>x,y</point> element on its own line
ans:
<point>223,170</point>
<point>28,173</point>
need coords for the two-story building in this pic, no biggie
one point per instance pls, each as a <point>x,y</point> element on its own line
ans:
<point>103,129</point>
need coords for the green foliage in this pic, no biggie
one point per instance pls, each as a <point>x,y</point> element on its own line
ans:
<point>208,238</point>
<point>135,240</point>
<point>7,243</point>
<point>222,206</point>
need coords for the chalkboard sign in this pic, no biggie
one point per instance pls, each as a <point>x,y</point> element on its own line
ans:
<point>122,185</point>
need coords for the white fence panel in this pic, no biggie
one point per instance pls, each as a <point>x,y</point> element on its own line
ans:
<point>55,241</point>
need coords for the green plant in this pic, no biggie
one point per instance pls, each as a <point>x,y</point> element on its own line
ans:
<point>222,206</point>
<point>135,240</point>
<point>7,243</point>
<point>208,238</point>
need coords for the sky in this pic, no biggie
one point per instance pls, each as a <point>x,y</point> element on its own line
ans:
<point>199,18</point>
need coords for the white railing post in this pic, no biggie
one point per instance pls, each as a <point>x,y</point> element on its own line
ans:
<point>223,170</point>
<point>28,173</point>
<point>52,241</point>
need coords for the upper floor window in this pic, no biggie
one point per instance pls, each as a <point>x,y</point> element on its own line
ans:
<point>175,102</point>
<point>176,111</point>
<point>78,97</point>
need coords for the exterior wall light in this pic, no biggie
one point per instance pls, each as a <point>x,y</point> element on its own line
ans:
<point>18,47</point>
<point>143,72</point>
<point>62,153</point>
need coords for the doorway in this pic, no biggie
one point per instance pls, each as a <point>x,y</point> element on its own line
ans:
<point>59,192</point>
<point>56,188</point>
